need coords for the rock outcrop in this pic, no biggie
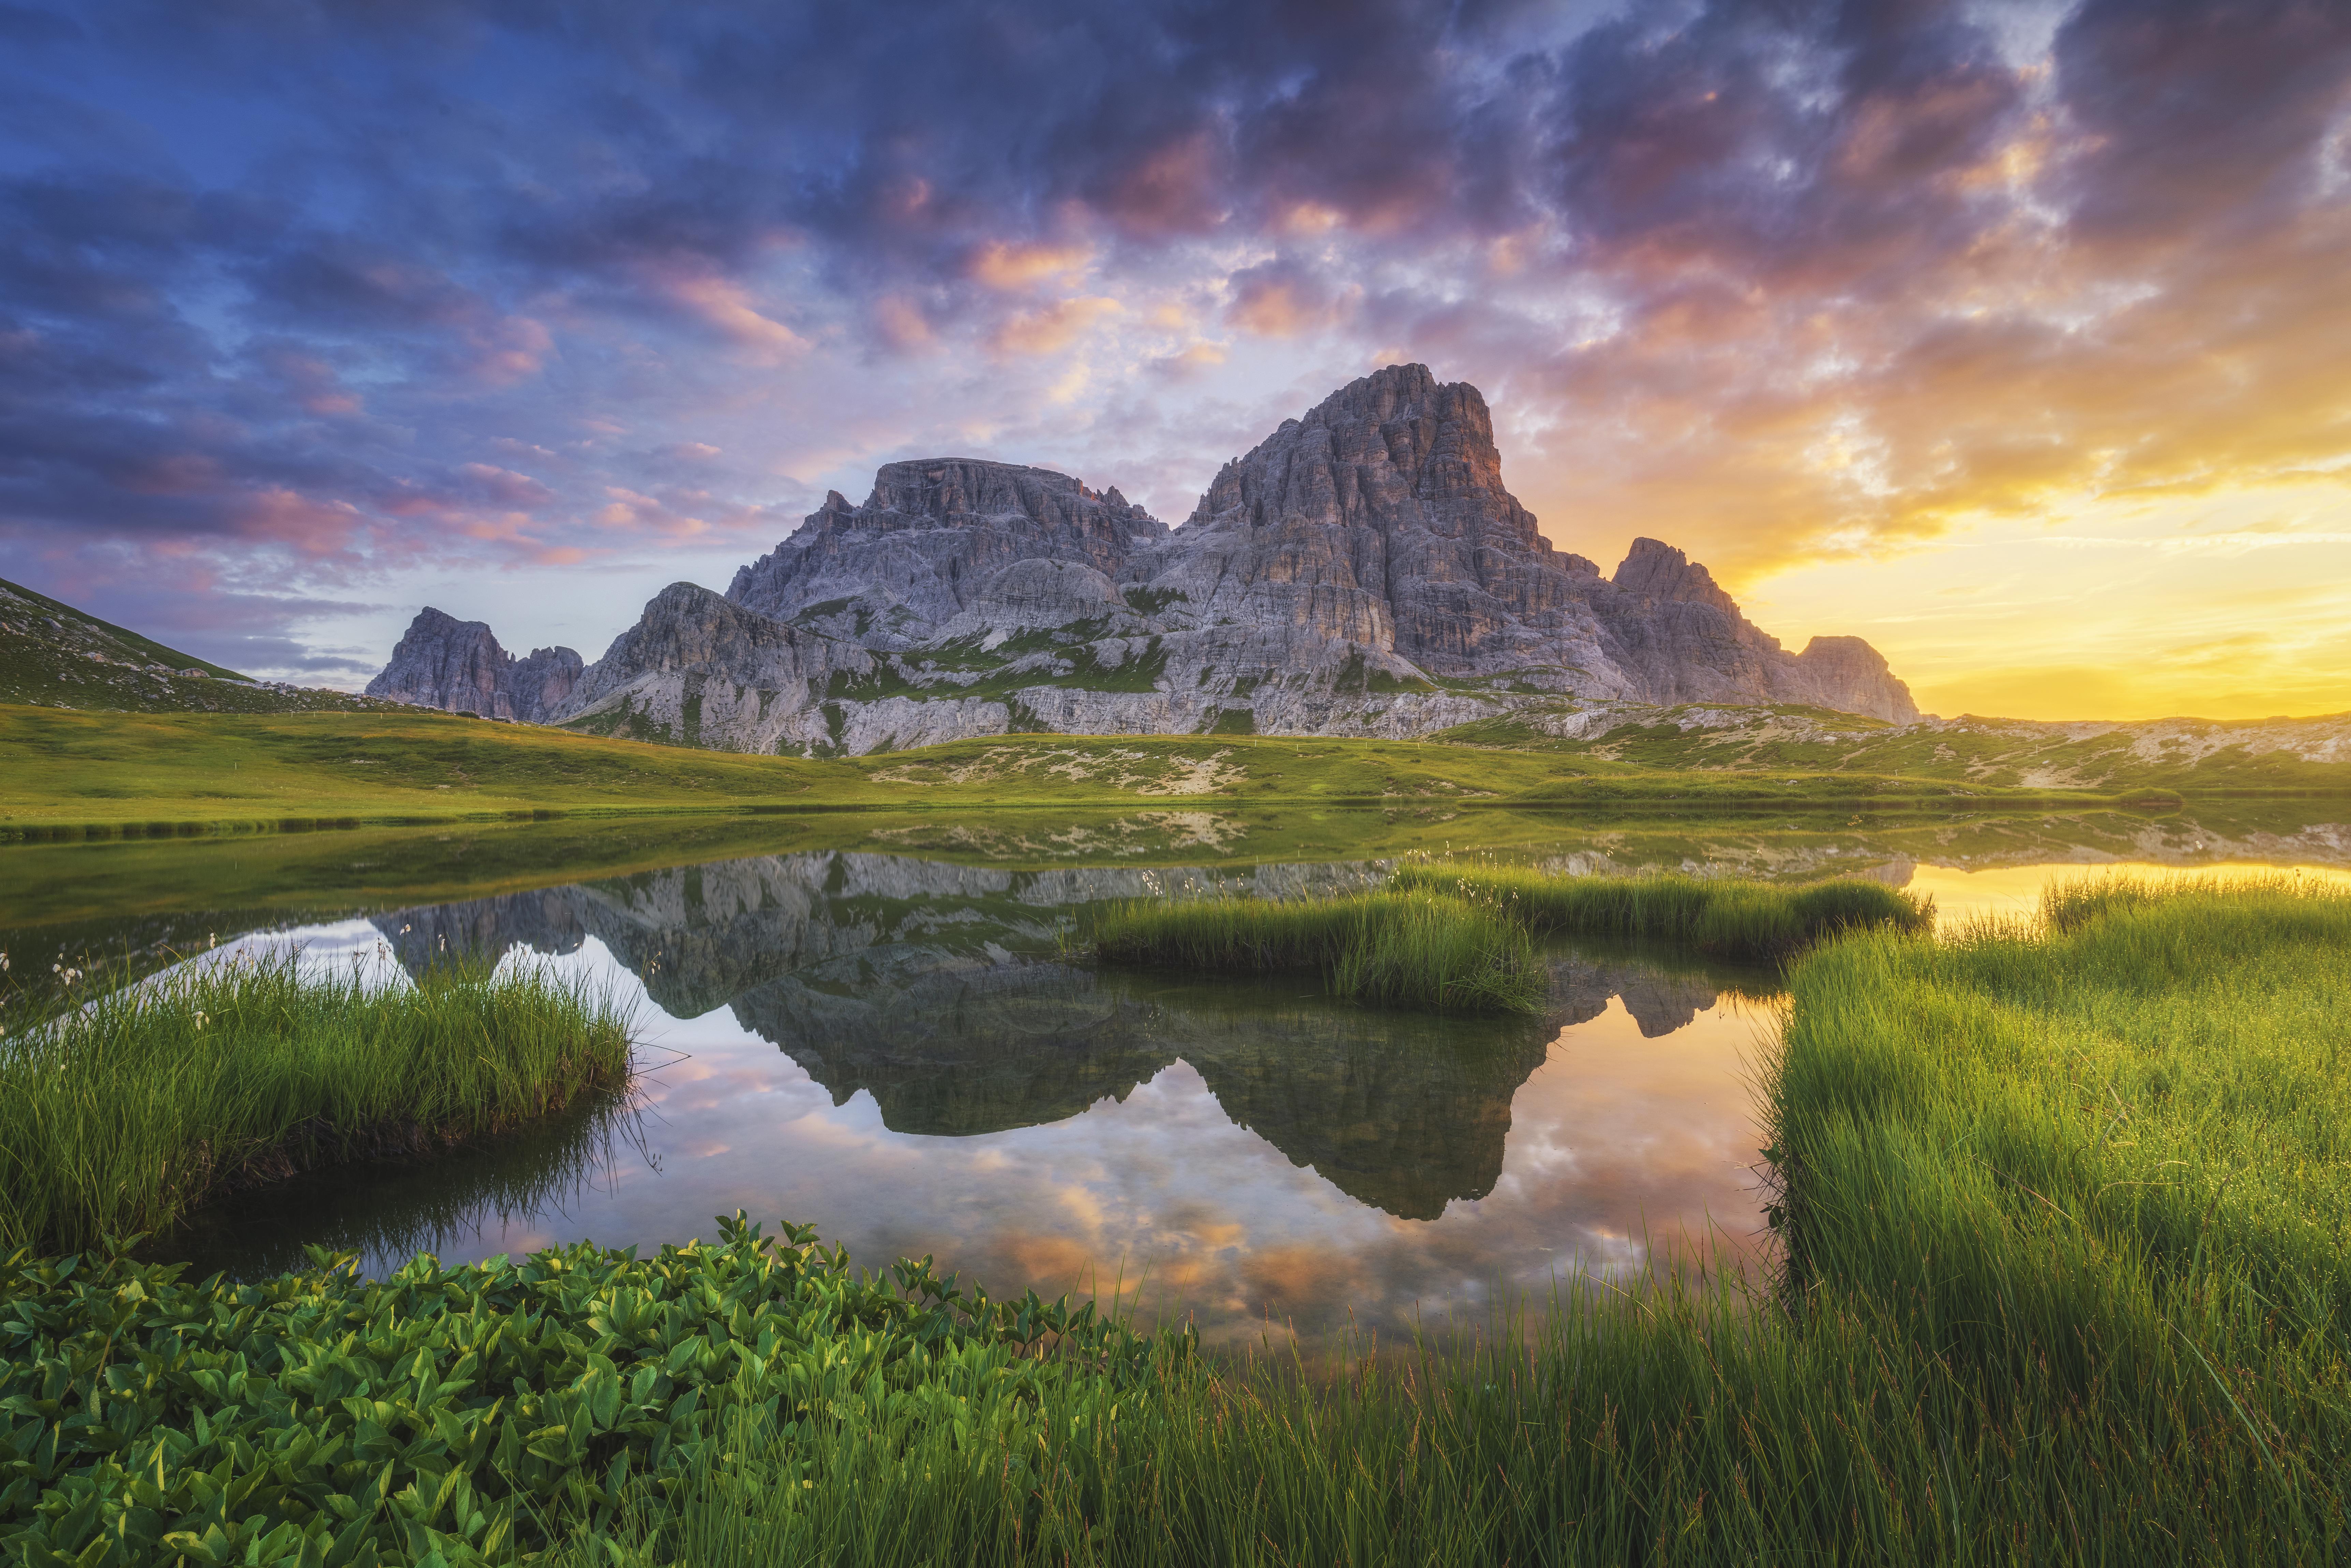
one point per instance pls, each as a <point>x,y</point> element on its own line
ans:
<point>915,555</point>
<point>1361,571</point>
<point>446,663</point>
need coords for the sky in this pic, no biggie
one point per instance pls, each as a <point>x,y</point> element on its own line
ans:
<point>2015,338</point>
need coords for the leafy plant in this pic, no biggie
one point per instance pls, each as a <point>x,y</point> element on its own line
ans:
<point>464,1415</point>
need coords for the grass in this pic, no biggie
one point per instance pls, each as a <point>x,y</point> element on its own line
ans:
<point>72,770</point>
<point>134,1104</point>
<point>1438,953</point>
<point>2143,758</point>
<point>53,654</point>
<point>2067,1283</point>
<point>1729,918</point>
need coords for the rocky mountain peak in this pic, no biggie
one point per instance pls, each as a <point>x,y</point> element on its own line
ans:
<point>1656,571</point>
<point>965,492</point>
<point>444,662</point>
<point>918,551</point>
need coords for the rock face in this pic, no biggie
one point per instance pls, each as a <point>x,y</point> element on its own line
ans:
<point>1362,572</point>
<point>446,663</point>
<point>916,554</point>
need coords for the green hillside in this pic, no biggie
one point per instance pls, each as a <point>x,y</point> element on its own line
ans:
<point>54,655</point>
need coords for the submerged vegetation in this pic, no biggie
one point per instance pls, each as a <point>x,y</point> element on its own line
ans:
<point>1440,952</point>
<point>132,1104</point>
<point>1723,917</point>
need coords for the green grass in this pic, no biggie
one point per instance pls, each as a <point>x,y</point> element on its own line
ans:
<point>1441,953</point>
<point>134,1104</point>
<point>1723,917</point>
<point>2150,759</point>
<point>75,770</point>
<point>2069,1285</point>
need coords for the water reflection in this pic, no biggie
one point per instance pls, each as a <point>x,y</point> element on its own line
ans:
<point>900,1051</point>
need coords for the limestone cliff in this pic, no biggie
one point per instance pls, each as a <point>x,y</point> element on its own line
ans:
<point>446,663</point>
<point>916,554</point>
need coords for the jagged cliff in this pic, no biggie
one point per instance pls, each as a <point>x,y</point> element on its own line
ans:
<point>1362,572</point>
<point>446,663</point>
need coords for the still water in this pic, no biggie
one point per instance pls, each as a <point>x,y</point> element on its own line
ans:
<point>899,1049</point>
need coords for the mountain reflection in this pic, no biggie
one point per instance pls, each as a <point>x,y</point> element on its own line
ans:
<point>939,990</point>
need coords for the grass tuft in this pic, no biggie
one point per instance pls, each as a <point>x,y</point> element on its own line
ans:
<point>1433,952</point>
<point>1724,919</point>
<point>137,1102</point>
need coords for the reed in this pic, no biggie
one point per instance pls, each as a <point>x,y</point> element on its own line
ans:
<point>1727,918</point>
<point>1430,951</point>
<point>134,1103</point>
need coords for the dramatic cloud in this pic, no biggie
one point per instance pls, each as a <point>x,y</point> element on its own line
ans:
<point>352,307</point>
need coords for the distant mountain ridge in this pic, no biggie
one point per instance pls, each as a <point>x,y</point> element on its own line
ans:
<point>1361,571</point>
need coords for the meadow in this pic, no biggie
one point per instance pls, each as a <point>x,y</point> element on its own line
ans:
<point>121,1107</point>
<point>2064,1278</point>
<point>76,772</point>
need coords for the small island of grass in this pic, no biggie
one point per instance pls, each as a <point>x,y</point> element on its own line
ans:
<point>128,1105</point>
<point>1445,937</point>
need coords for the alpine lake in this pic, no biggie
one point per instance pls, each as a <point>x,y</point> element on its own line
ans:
<point>887,1028</point>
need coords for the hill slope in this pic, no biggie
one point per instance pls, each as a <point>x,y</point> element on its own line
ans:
<point>2194,756</point>
<point>54,655</point>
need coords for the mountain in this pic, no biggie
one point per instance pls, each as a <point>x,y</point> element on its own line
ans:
<point>54,655</point>
<point>1361,571</point>
<point>446,663</point>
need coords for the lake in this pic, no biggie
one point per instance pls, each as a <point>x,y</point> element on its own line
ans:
<point>880,1028</point>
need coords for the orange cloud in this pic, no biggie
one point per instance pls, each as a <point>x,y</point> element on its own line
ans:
<point>726,306</point>
<point>1052,329</point>
<point>1013,266</point>
<point>902,324</point>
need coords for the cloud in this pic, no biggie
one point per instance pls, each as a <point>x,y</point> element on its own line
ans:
<point>1284,299</point>
<point>1053,328</point>
<point>1773,281</point>
<point>1014,267</point>
<point>727,307</point>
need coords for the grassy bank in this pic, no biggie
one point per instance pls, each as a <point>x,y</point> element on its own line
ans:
<point>157,773</point>
<point>1440,952</point>
<point>1724,917</point>
<point>134,1104</point>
